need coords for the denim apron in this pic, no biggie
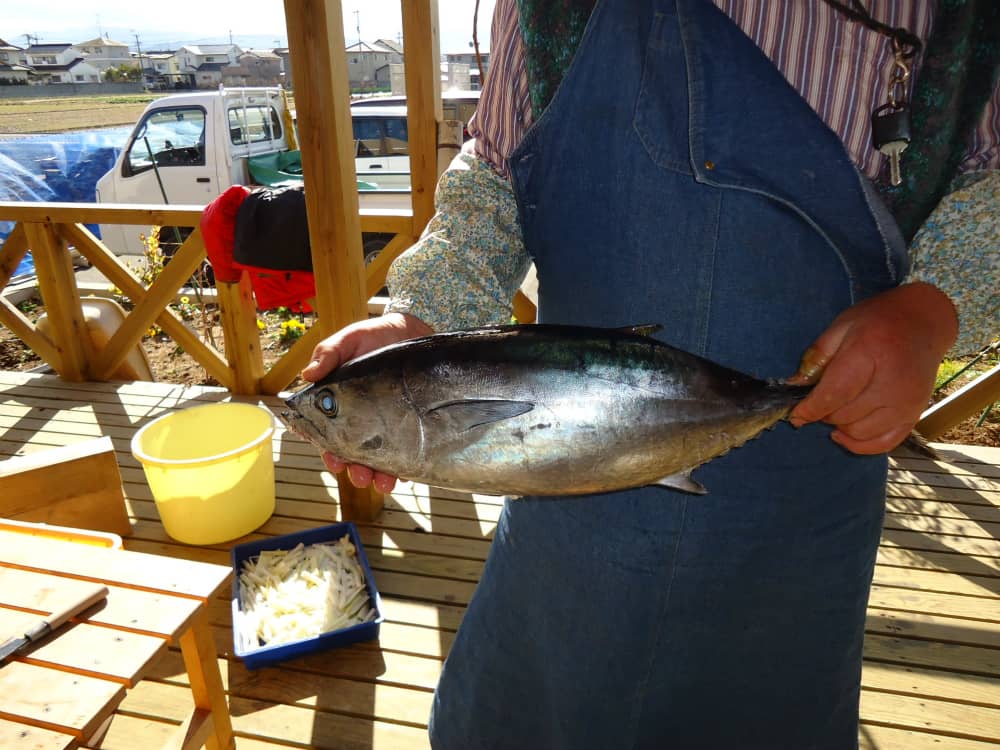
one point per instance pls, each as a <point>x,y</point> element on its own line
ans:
<point>677,178</point>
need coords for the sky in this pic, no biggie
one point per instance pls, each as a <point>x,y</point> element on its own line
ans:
<point>254,23</point>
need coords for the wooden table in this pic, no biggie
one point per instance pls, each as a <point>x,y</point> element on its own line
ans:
<point>62,692</point>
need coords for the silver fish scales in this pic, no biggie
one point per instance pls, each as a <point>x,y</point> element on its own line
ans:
<point>537,410</point>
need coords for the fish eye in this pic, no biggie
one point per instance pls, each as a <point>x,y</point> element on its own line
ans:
<point>327,402</point>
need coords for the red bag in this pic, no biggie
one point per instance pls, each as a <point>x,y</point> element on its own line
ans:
<point>218,228</point>
<point>271,288</point>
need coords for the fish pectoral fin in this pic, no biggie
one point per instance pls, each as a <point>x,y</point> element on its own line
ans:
<point>646,329</point>
<point>682,481</point>
<point>469,413</point>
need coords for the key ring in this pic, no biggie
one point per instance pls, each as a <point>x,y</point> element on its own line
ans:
<point>899,76</point>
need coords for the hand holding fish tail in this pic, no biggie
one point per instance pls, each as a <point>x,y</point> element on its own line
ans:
<point>348,343</point>
<point>874,367</point>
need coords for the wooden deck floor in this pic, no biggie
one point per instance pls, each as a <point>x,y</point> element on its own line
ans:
<point>932,669</point>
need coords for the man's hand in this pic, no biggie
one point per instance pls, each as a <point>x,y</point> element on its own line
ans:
<point>875,366</point>
<point>351,342</point>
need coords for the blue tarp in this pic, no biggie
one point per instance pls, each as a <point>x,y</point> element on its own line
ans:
<point>56,167</point>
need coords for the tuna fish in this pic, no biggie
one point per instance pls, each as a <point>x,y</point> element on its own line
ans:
<point>537,410</point>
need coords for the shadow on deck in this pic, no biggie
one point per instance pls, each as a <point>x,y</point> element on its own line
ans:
<point>932,653</point>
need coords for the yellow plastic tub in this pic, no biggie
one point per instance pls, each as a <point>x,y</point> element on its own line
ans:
<point>210,469</point>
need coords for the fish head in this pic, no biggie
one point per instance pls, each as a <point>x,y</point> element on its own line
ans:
<point>360,421</point>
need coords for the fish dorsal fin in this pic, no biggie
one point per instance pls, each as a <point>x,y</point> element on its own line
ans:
<point>646,329</point>
<point>682,481</point>
<point>469,413</point>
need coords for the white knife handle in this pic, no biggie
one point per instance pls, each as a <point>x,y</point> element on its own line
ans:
<point>53,621</point>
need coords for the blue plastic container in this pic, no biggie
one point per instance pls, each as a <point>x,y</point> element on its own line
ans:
<point>264,655</point>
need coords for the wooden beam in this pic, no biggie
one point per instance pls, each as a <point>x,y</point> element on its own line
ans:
<point>15,247</point>
<point>326,142</point>
<point>198,650</point>
<point>524,309</point>
<point>57,284</point>
<point>961,405</point>
<point>23,328</point>
<point>103,213</point>
<point>148,308</point>
<point>388,220</point>
<point>423,103</point>
<point>377,269</point>
<point>121,276</point>
<point>322,101</point>
<point>238,314</point>
<point>285,369</point>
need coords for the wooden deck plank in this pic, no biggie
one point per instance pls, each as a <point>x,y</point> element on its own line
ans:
<point>87,649</point>
<point>931,674</point>
<point>13,735</point>
<point>124,568</point>
<point>73,703</point>
<point>37,591</point>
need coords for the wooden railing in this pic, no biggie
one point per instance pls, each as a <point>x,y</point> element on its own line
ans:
<point>49,228</point>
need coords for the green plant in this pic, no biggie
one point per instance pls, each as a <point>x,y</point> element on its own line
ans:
<point>28,306</point>
<point>292,329</point>
<point>947,370</point>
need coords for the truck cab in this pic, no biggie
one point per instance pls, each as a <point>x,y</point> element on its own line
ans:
<point>187,149</point>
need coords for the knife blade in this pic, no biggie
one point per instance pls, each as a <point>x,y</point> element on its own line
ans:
<point>47,625</point>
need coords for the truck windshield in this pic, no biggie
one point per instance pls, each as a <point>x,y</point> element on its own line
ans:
<point>170,138</point>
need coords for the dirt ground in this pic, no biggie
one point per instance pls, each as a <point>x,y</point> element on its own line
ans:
<point>25,116</point>
<point>170,363</point>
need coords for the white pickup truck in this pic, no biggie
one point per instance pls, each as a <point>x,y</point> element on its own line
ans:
<point>188,148</point>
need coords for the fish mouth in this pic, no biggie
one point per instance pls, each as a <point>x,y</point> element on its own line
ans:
<point>294,421</point>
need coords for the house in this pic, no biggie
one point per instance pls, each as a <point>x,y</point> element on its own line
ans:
<point>11,54</point>
<point>12,67</point>
<point>61,63</point>
<point>203,64</point>
<point>162,69</point>
<point>469,59</point>
<point>286,67</point>
<point>209,75</point>
<point>104,53</point>
<point>254,68</point>
<point>14,74</point>
<point>51,54</point>
<point>368,64</point>
<point>76,71</point>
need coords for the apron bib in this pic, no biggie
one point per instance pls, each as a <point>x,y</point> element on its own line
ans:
<point>677,178</point>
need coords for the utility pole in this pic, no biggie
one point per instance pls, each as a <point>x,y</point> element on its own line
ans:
<point>357,25</point>
<point>138,49</point>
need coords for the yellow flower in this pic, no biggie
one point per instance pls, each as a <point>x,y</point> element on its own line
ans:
<point>185,301</point>
<point>260,325</point>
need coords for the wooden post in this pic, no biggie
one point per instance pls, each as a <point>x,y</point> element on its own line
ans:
<point>423,103</point>
<point>326,138</point>
<point>239,324</point>
<point>962,404</point>
<point>57,284</point>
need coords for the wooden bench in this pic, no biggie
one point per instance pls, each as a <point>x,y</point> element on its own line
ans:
<point>62,692</point>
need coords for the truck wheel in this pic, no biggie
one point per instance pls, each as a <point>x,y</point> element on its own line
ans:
<point>372,245</point>
<point>170,240</point>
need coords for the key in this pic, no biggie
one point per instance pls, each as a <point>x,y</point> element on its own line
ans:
<point>891,136</point>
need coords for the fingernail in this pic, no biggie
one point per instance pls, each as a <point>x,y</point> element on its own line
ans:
<point>811,366</point>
